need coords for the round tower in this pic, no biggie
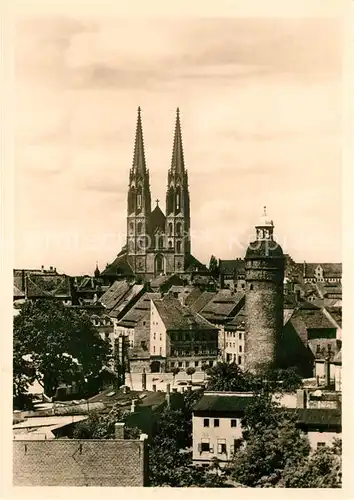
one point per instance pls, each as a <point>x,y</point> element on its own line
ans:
<point>264,269</point>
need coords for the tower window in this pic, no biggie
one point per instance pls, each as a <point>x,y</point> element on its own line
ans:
<point>178,200</point>
<point>170,229</point>
<point>139,200</point>
<point>251,286</point>
<point>178,247</point>
<point>179,229</point>
<point>140,227</point>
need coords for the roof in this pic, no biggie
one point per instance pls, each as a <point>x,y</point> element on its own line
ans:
<point>236,266</point>
<point>115,293</point>
<point>17,292</point>
<point>126,299</point>
<point>222,305</point>
<point>178,317</point>
<point>330,269</point>
<point>237,322</point>
<point>111,396</point>
<point>202,301</point>
<point>319,416</point>
<point>159,280</point>
<point>119,266</point>
<point>157,220</point>
<point>191,264</point>
<point>138,310</point>
<point>41,284</point>
<point>192,297</point>
<point>223,402</point>
<point>264,248</point>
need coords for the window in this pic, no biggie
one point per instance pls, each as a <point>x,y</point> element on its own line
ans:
<point>240,348</point>
<point>196,363</point>
<point>160,337</point>
<point>170,229</point>
<point>206,422</point>
<point>144,323</point>
<point>139,200</point>
<point>178,247</point>
<point>205,445</point>
<point>240,336</point>
<point>221,446</point>
<point>187,364</point>
<point>234,344</point>
<point>180,364</point>
<point>216,422</point>
<point>240,360</point>
<point>140,227</point>
<point>160,351</point>
<point>179,229</point>
<point>172,364</point>
<point>251,286</point>
<point>154,349</point>
<point>154,336</point>
<point>233,422</point>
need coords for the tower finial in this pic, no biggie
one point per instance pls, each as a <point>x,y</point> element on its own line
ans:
<point>264,210</point>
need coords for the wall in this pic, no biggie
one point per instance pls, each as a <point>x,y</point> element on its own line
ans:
<point>157,329</point>
<point>232,346</point>
<point>316,437</point>
<point>224,431</point>
<point>80,463</point>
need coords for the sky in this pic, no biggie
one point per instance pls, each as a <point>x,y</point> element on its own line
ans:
<point>260,107</point>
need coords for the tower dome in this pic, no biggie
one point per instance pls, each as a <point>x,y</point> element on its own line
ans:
<point>264,245</point>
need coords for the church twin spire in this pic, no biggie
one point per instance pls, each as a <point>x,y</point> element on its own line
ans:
<point>177,164</point>
<point>139,163</point>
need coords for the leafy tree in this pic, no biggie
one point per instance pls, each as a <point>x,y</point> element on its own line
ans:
<point>55,344</point>
<point>321,469</point>
<point>102,426</point>
<point>175,371</point>
<point>205,367</point>
<point>190,371</point>
<point>271,444</point>
<point>213,266</point>
<point>228,377</point>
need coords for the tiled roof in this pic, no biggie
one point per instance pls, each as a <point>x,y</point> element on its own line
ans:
<point>319,347</point>
<point>238,322</point>
<point>42,284</point>
<point>157,220</point>
<point>330,270</point>
<point>336,314</point>
<point>118,267</point>
<point>124,302</point>
<point>223,403</point>
<point>192,297</point>
<point>159,280</point>
<point>192,264</point>
<point>142,306</point>
<point>318,416</point>
<point>115,293</point>
<point>236,266</point>
<point>202,301</point>
<point>178,317</point>
<point>222,305</point>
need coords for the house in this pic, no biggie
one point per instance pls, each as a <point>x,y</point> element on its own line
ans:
<point>232,274</point>
<point>179,337</point>
<point>34,284</point>
<point>322,272</point>
<point>217,425</point>
<point>233,343</point>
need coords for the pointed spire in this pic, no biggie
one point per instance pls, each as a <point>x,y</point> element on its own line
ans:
<point>139,164</point>
<point>177,154</point>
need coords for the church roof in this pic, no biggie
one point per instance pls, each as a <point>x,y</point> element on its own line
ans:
<point>193,265</point>
<point>119,267</point>
<point>157,220</point>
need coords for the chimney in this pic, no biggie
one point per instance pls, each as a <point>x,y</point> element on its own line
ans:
<point>168,395</point>
<point>143,380</point>
<point>119,430</point>
<point>301,398</point>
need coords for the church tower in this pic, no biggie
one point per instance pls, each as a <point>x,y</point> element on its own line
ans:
<point>178,204</point>
<point>139,205</point>
<point>264,267</point>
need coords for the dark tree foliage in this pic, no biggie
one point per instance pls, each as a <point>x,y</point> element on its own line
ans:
<point>55,344</point>
<point>230,377</point>
<point>102,426</point>
<point>213,266</point>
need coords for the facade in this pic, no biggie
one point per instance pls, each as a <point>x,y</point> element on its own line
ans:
<point>234,340</point>
<point>264,264</point>
<point>217,430</point>
<point>179,337</point>
<point>157,243</point>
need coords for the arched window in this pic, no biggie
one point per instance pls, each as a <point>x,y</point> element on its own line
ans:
<point>170,244</point>
<point>140,227</point>
<point>179,229</point>
<point>139,199</point>
<point>170,229</point>
<point>131,227</point>
<point>160,242</point>
<point>178,247</point>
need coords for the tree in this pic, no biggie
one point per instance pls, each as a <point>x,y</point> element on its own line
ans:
<point>213,266</point>
<point>175,371</point>
<point>205,367</point>
<point>190,371</point>
<point>271,444</point>
<point>229,377</point>
<point>102,426</point>
<point>321,469</point>
<point>59,345</point>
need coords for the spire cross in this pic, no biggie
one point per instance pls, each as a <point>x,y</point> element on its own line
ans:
<point>157,202</point>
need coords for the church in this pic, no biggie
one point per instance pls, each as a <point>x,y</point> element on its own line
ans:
<point>157,243</point>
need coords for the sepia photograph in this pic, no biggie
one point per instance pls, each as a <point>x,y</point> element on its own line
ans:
<point>177,250</point>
